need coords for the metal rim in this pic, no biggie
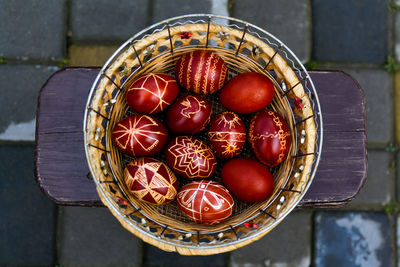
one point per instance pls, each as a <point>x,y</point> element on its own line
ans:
<point>154,26</point>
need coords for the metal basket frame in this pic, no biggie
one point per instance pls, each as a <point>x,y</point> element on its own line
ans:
<point>226,237</point>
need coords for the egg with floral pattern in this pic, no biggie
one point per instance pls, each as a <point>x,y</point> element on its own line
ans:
<point>227,135</point>
<point>190,157</point>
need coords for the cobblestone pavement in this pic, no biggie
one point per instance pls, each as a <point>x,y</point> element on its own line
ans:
<point>38,37</point>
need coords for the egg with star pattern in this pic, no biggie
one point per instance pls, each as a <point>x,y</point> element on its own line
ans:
<point>139,135</point>
<point>190,157</point>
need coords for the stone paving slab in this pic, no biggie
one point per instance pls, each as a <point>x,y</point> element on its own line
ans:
<point>104,20</point>
<point>289,244</point>
<point>397,34</point>
<point>20,85</point>
<point>289,21</point>
<point>398,180</point>
<point>27,216</point>
<point>93,237</point>
<point>398,238</point>
<point>378,88</point>
<point>87,56</point>
<point>378,187</point>
<point>155,257</point>
<point>397,105</point>
<point>350,31</point>
<point>352,239</point>
<point>167,9</point>
<point>32,29</point>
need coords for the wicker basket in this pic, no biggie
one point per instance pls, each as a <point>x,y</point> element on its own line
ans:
<point>244,48</point>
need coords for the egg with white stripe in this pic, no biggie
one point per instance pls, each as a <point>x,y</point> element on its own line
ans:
<point>201,71</point>
<point>205,202</point>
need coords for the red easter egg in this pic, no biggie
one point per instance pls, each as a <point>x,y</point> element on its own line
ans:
<point>247,93</point>
<point>189,115</point>
<point>139,135</point>
<point>269,136</point>
<point>151,181</point>
<point>152,93</point>
<point>205,202</point>
<point>190,157</point>
<point>247,179</point>
<point>227,135</point>
<point>201,71</point>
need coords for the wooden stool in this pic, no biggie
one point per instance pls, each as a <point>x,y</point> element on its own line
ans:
<point>63,175</point>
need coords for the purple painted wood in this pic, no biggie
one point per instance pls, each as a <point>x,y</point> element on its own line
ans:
<point>341,172</point>
<point>61,167</point>
<point>62,100</point>
<point>342,101</point>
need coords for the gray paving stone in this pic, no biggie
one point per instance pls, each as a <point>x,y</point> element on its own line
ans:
<point>32,29</point>
<point>93,237</point>
<point>352,239</point>
<point>155,257</point>
<point>350,31</point>
<point>398,234</point>
<point>288,20</point>
<point>378,88</point>
<point>289,244</point>
<point>27,216</point>
<point>398,179</point>
<point>104,20</point>
<point>168,9</point>
<point>397,35</point>
<point>20,85</point>
<point>380,178</point>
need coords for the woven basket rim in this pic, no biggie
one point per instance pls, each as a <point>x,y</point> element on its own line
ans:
<point>95,84</point>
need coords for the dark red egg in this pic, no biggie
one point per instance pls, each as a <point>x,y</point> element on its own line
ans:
<point>189,115</point>
<point>269,136</point>
<point>201,71</point>
<point>247,93</point>
<point>139,135</point>
<point>190,157</point>
<point>247,179</point>
<point>205,202</point>
<point>152,93</point>
<point>151,181</point>
<point>227,135</point>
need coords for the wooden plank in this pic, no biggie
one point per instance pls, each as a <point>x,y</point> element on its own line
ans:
<point>61,166</point>
<point>342,101</point>
<point>342,169</point>
<point>61,169</point>
<point>62,100</point>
